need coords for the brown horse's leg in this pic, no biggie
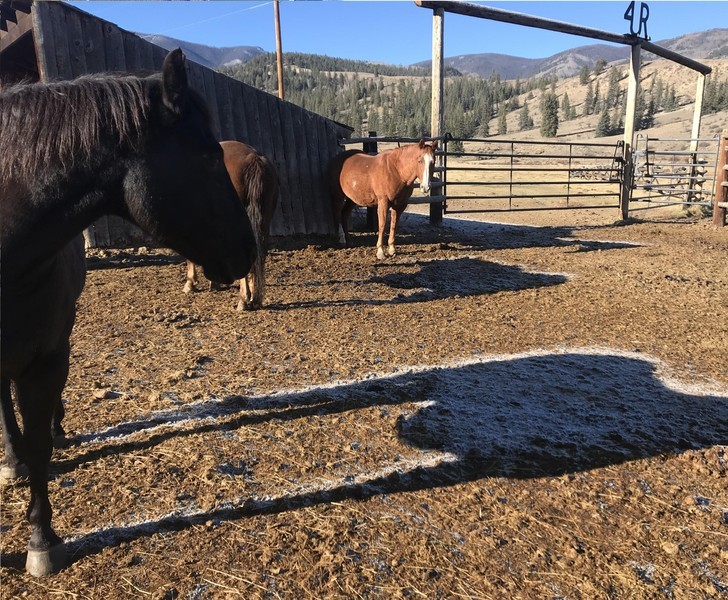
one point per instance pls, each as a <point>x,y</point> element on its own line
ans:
<point>246,297</point>
<point>382,216</point>
<point>38,394</point>
<point>395,214</point>
<point>191,278</point>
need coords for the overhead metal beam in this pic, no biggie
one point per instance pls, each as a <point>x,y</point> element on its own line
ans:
<point>516,18</point>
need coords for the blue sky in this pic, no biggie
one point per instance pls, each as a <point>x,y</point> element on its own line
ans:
<point>394,32</point>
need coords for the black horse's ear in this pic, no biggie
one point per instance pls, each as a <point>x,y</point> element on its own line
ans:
<point>174,81</point>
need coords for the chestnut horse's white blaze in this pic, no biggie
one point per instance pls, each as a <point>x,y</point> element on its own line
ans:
<point>384,180</point>
<point>429,161</point>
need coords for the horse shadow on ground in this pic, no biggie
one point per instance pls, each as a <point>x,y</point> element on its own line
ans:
<point>525,416</point>
<point>484,235</point>
<point>436,279</point>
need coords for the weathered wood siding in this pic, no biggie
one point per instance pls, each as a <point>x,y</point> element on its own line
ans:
<point>300,143</point>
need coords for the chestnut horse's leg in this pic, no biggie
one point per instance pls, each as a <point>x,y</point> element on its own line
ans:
<point>191,278</point>
<point>14,464</point>
<point>38,394</point>
<point>395,214</point>
<point>382,217</point>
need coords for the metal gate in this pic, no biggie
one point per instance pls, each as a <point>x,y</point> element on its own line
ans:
<point>674,171</point>
<point>487,175</point>
<point>493,175</point>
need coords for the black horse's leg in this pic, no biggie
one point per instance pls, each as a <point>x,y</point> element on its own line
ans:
<point>346,220</point>
<point>38,394</point>
<point>59,434</point>
<point>13,467</point>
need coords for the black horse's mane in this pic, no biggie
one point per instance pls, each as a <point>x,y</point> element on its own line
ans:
<point>52,127</point>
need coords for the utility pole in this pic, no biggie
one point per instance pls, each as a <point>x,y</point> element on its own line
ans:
<point>279,49</point>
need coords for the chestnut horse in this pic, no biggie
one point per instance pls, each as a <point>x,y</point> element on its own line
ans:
<point>256,183</point>
<point>138,147</point>
<point>384,180</point>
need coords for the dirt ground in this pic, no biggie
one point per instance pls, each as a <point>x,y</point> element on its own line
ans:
<point>499,411</point>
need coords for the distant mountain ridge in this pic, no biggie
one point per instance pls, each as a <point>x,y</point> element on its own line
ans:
<point>208,56</point>
<point>709,44</point>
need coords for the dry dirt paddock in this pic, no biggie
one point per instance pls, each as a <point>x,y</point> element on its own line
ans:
<point>499,411</point>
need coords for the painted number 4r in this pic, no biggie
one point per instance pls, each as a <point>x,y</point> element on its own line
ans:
<point>631,16</point>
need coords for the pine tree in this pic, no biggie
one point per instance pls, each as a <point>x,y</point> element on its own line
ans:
<point>566,107</point>
<point>597,100</point>
<point>604,126</point>
<point>613,88</point>
<point>502,123</point>
<point>549,115</point>
<point>599,67</point>
<point>524,119</point>
<point>589,100</point>
<point>584,75</point>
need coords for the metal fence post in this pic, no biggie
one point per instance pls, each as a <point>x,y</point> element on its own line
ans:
<point>720,197</point>
<point>371,148</point>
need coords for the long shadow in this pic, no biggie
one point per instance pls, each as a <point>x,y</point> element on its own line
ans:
<point>524,417</point>
<point>481,236</point>
<point>124,259</point>
<point>439,279</point>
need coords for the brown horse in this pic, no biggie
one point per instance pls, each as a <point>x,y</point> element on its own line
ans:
<point>384,180</point>
<point>256,183</point>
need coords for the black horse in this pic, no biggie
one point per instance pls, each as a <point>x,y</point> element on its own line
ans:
<point>138,147</point>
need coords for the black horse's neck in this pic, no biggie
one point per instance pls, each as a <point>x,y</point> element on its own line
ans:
<point>38,223</point>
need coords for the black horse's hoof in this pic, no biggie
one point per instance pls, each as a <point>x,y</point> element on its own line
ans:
<point>45,562</point>
<point>11,474</point>
<point>60,441</point>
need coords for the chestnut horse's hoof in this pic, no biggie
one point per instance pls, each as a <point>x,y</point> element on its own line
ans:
<point>390,250</point>
<point>189,287</point>
<point>380,253</point>
<point>9,475</point>
<point>45,562</point>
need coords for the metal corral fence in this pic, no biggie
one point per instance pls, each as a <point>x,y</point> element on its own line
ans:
<point>492,175</point>
<point>487,175</point>
<point>674,171</point>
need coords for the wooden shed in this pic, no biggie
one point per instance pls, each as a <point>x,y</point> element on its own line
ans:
<point>51,41</point>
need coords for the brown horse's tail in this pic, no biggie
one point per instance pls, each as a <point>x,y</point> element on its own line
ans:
<point>261,183</point>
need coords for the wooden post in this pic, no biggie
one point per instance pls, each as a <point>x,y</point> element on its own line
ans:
<point>695,134</point>
<point>279,50</point>
<point>628,166</point>
<point>720,196</point>
<point>436,116</point>
<point>371,148</point>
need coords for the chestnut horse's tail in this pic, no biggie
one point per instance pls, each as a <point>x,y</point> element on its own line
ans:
<point>261,184</point>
